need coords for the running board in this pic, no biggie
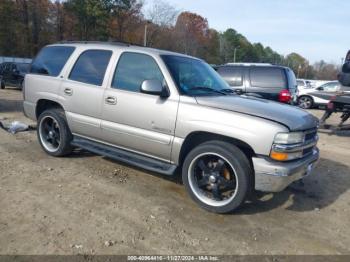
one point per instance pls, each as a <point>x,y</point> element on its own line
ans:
<point>128,157</point>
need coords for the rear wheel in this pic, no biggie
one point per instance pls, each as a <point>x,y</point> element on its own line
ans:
<point>217,176</point>
<point>20,85</point>
<point>305,102</point>
<point>53,133</point>
<point>2,85</point>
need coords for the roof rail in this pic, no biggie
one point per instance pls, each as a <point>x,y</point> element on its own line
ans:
<point>96,42</point>
<point>250,64</point>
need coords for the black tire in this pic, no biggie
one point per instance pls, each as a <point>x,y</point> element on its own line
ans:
<point>305,102</point>
<point>235,159</point>
<point>2,85</point>
<point>65,137</point>
<point>20,85</point>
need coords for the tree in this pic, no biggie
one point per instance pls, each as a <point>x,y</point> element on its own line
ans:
<point>91,18</point>
<point>126,17</point>
<point>192,30</point>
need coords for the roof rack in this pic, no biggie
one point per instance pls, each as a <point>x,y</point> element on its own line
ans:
<point>249,64</point>
<point>96,42</point>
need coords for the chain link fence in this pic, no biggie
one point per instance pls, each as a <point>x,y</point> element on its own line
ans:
<point>14,59</point>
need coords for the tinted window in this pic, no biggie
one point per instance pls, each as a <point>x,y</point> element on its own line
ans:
<point>347,59</point>
<point>292,81</point>
<point>91,67</point>
<point>232,75</point>
<point>133,69</point>
<point>51,60</point>
<point>267,77</point>
<point>24,68</point>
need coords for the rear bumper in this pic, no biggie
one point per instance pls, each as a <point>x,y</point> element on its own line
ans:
<point>272,176</point>
<point>29,110</point>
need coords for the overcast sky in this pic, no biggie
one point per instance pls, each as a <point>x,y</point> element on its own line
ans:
<point>316,29</point>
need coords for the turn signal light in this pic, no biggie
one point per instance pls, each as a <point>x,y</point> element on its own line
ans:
<point>279,156</point>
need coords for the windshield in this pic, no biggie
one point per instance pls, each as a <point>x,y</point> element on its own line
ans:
<point>194,77</point>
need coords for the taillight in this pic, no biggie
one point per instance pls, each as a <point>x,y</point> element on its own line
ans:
<point>285,96</point>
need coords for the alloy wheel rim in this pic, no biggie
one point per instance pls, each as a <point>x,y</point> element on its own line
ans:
<point>50,133</point>
<point>213,179</point>
<point>304,102</point>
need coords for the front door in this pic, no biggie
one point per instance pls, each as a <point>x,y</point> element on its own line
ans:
<point>133,120</point>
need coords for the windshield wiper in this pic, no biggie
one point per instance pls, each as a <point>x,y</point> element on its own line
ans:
<point>228,90</point>
<point>204,88</point>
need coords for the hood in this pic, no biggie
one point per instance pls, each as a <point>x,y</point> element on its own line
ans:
<point>294,118</point>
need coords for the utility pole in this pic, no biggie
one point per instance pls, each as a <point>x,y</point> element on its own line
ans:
<point>299,67</point>
<point>145,35</point>
<point>234,54</point>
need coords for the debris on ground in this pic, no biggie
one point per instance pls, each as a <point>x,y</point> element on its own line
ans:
<point>76,246</point>
<point>109,243</point>
<point>16,126</point>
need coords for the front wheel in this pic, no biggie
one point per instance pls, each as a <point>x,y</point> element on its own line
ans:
<point>217,175</point>
<point>305,102</point>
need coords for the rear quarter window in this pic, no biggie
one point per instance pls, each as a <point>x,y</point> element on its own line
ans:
<point>232,75</point>
<point>266,77</point>
<point>51,60</point>
<point>292,81</point>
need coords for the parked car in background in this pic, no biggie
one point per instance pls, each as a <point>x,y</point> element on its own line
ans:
<point>266,81</point>
<point>314,97</point>
<point>12,74</point>
<point>303,84</point>
<point>164,111</point>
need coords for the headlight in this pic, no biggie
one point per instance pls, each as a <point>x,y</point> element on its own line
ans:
<point>289,138</point>
<point>286,146</point>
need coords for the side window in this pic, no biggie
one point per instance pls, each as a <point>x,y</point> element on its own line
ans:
<point>300,83</point>
<point>232,75</point>
<point>91,67</point>
<point>133,69</point>
<point>51,60</point>
<point>266,77</point>
<point>331,87</point>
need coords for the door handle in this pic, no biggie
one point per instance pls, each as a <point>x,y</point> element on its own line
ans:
<point>68,91</point>
<point>111,100</point>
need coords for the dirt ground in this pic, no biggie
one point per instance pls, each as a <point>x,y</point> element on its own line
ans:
<point>92,205</point>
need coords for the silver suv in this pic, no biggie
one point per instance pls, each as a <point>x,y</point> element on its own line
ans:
<point>163,112</point>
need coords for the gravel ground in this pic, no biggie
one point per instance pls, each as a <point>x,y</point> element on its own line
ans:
<point>92,205</point>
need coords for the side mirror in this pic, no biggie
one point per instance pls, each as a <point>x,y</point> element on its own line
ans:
<point>154,87</point>
<point>320,88</point>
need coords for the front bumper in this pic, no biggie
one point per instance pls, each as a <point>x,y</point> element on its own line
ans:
<point>272,176</point>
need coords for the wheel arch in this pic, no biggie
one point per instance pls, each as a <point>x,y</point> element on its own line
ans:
<point>198,137</point>
<point>44,104</point>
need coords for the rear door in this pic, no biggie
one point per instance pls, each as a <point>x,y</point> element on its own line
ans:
<point>234,76</point>
<point>82,92</point>
<point>267,82</point>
